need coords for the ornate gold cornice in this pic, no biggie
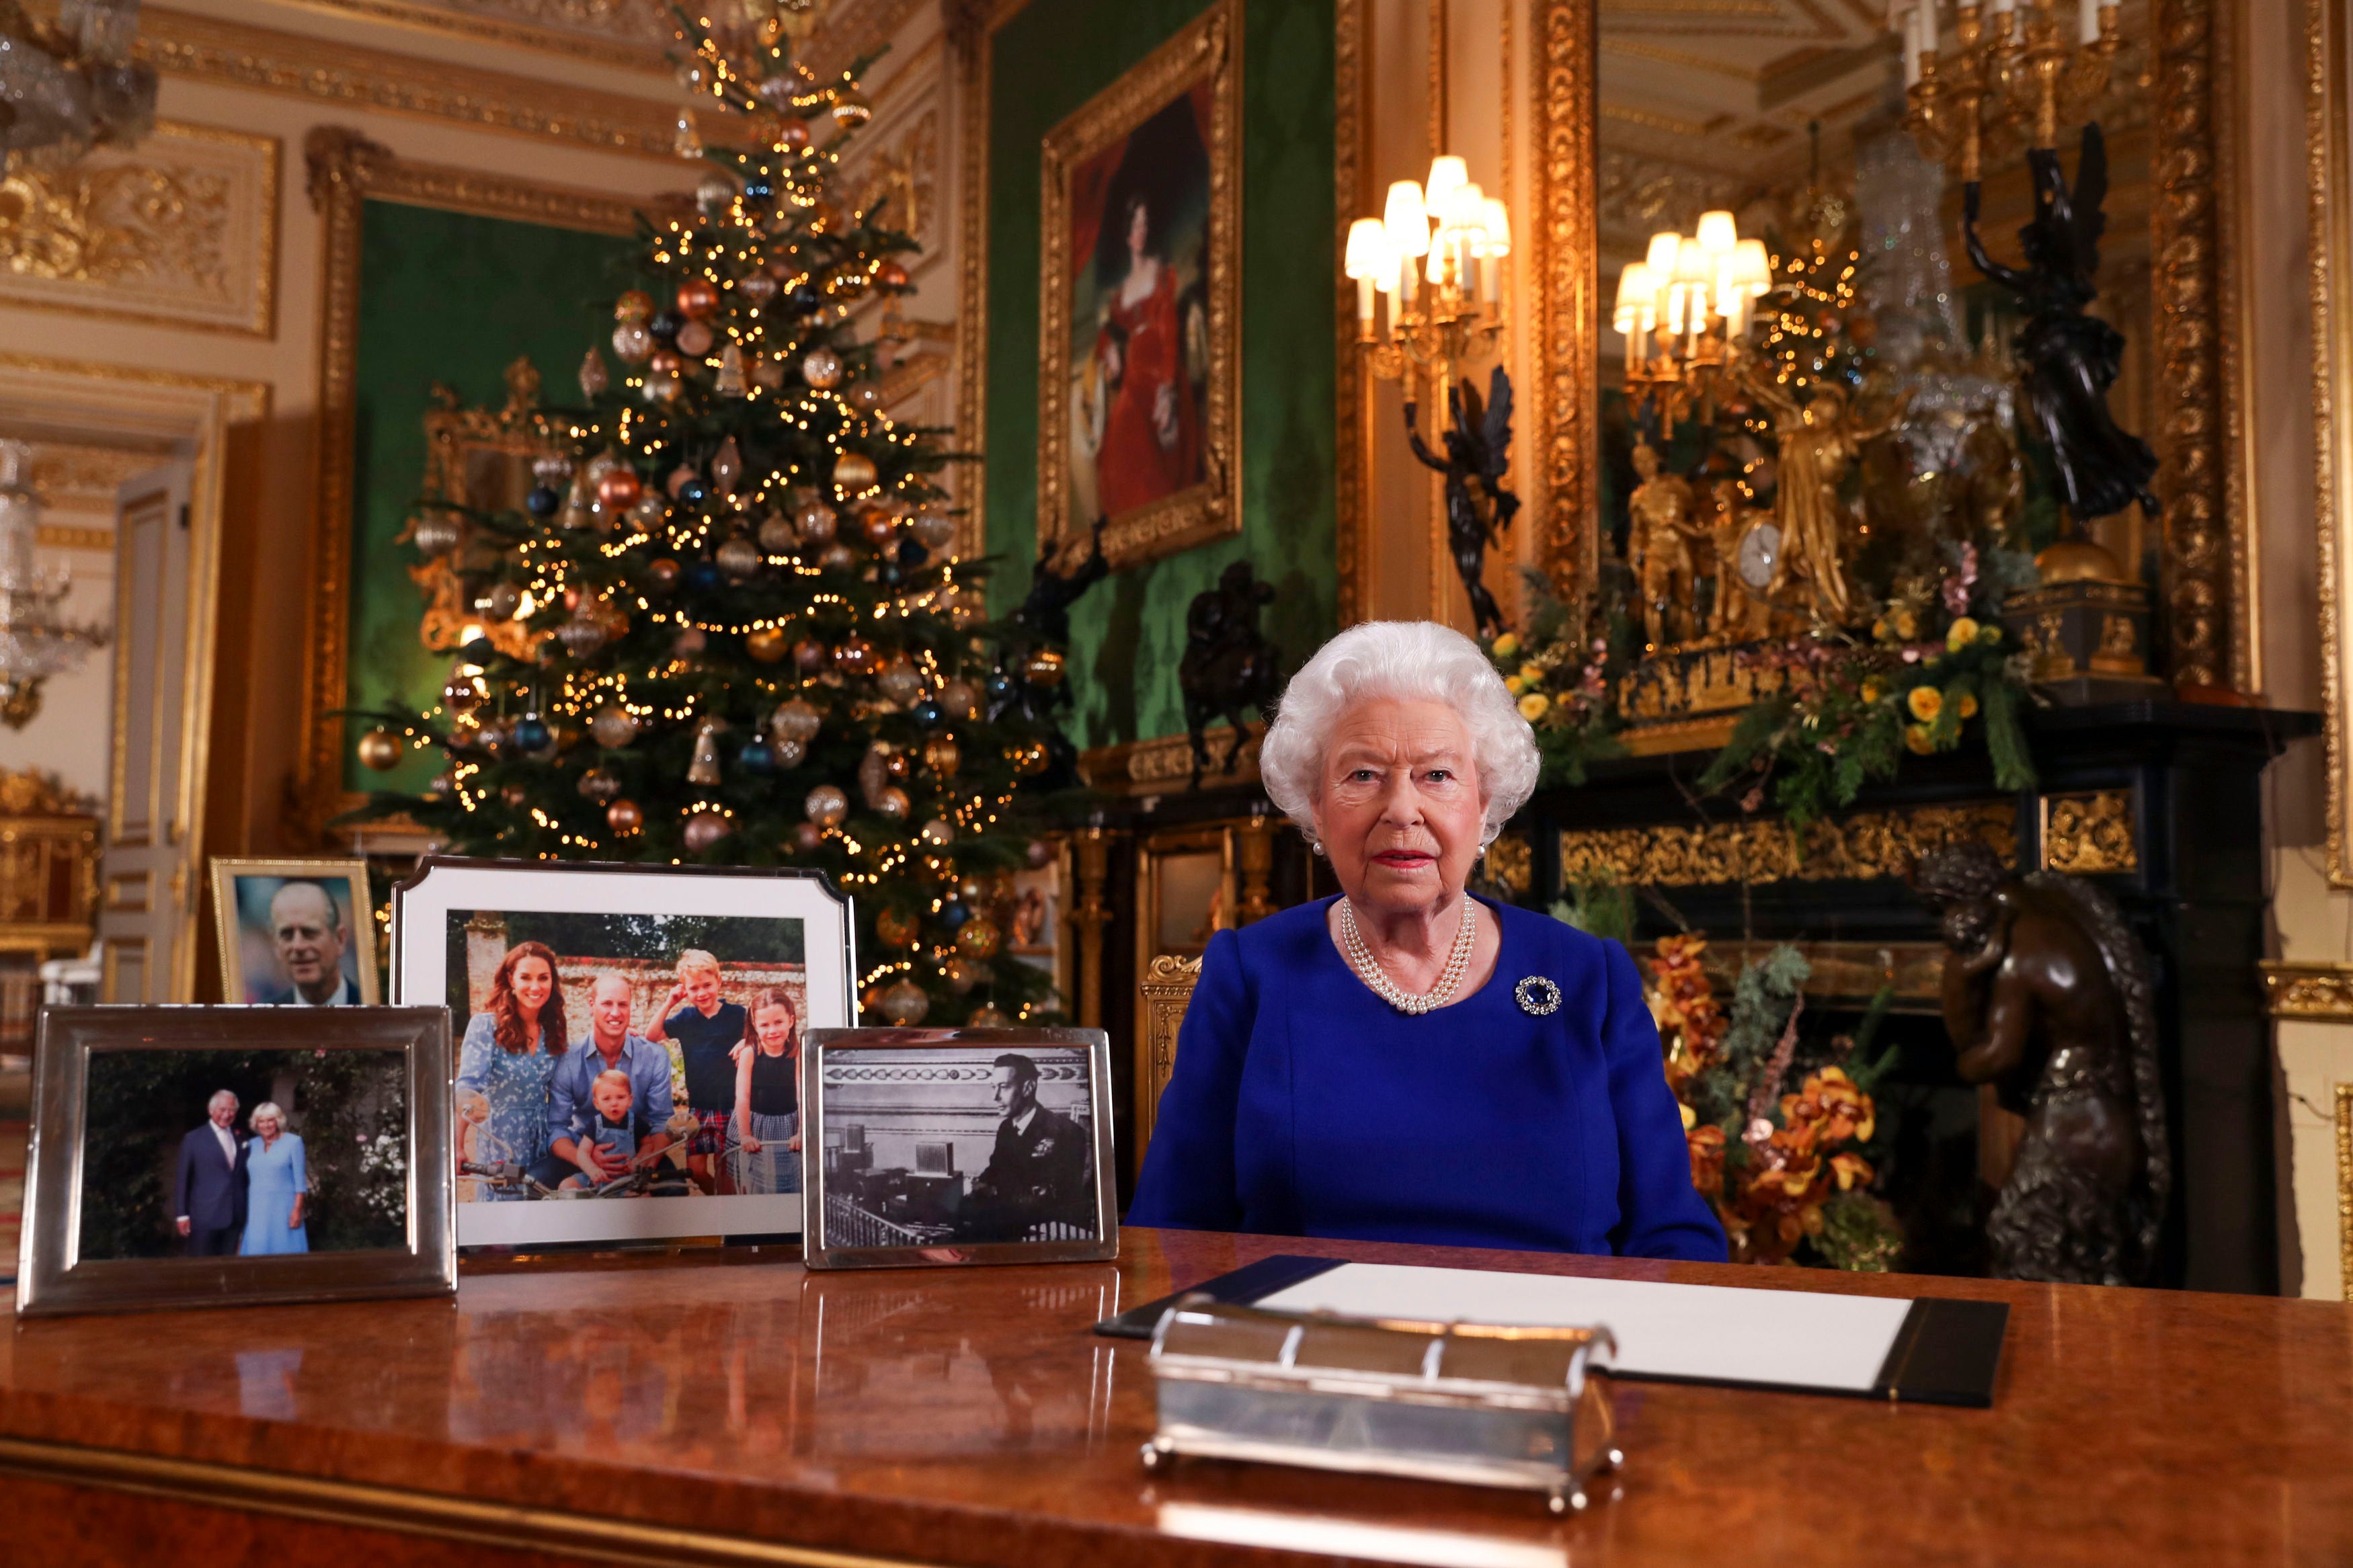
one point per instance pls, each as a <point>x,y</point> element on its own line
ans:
<point>852,31</point>
<point>346,170</point>
<point>637,41</point>
<point>1866,846</point>
<point>2314,992</point>
<point>1568,350</point>
<point>1165,764</point>
<point>230,52</point>
<point>2199,548</point>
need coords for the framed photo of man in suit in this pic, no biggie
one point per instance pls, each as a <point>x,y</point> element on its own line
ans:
<point>925,1146</point>
<point>295,933</point>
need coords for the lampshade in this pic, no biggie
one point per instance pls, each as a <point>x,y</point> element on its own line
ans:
<point>1369,249</point>
<point>1466,208</point>
<point>1637,297</point>
<point>1717,234</point>
<point>1406,220</point>
<point>1662,258</point>
<point>1691,263</point>
<point>1751,271</point>
<point>1499,228</point>
<point>1448,174</point>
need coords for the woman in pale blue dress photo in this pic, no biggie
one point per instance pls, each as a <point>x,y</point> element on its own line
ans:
<point>275,1185</point>
<point>508,1055</point>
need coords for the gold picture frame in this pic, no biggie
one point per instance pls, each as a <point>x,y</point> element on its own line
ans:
<point>2329,162</point>
<point>231,902</point>
<point>1129,149</point>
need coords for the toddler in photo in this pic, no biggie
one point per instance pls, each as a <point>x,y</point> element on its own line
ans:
<point>615,1124</point>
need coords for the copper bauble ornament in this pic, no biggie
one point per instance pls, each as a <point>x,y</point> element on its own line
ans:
<point>904,1004</point>
<point>854,654</point>
<point>866,397</point>
<point>776,535</point>
<point>942,756</point>
<point>636,305</point>
<point>1030,758</point>
<point>796,720</point>
<point>878,527</point>
<point>624,817</point>
<point>988,1017</point>
<point>815,521</point>
<point>697,298</point>
<point>933,529</point>
<point>694,339</point>
<point>758,287</point>
<point>939,833</point>
<point>895,765</point>
<point>964,973</point>
<point>792,135</point>
<point>897,926</point>
<point>977,937</point>
<point>650,513</point>
<point>618,490</point>
<point>766,645</point>
<point>502,601</point>
<point>380,749</point>
<point>738,558</point>
<point>600,785</point>
<point>810,655</point>
<point>821,368</point>
<point>899,681</point>
<point>690,641</point>
<point>613,727</point>
<point>1044,667</point>
<point>661,573</point>
<point>960,700</point>
<point>632,344</point>
<point>705,828</point>
<point>837,557</point>
<point>789,754</point>
<point>890,275</point>
<point>853,473</point>
<point>462,695</point>
<point>514,795</point>
<point>893,803</point>
<point>664,364</point>
<point>826,806</point>
<point>806,838</point>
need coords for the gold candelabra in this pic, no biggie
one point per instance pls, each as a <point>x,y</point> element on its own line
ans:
<point>1435,259</point>
<point>2009,72</point>
<point>1683,311</point>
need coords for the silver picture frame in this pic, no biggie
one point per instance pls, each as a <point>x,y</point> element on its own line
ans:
<point>53,1278</point>
<point>835,1236</point>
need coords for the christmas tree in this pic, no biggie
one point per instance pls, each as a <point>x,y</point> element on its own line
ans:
<point>728,626</point>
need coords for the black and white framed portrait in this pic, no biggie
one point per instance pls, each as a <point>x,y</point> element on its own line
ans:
<point>629,1041</point>
<point>957,1146</point>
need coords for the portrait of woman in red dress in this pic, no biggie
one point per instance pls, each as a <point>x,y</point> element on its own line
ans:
<point>1152,435</point>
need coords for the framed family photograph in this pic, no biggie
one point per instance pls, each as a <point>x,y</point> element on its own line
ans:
<point>186,1156</point>
<point>926,1146</point>
<point>629,1041</point>
<point>295,933</point>
<point>1140,311</point>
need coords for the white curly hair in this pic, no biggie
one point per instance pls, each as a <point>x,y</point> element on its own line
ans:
<point>1411,661</point>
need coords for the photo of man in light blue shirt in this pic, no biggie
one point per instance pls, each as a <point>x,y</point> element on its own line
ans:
<point>609,1047</point>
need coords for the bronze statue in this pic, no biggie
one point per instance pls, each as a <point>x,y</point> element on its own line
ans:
<point>2069,359</point>
<point>1478,451</point>
<point>2047,996</point>
<point>1663,514</point>
<point>1227,664</point>
<point>1063,572</point>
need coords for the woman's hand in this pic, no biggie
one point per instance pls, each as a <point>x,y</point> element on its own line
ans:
<point>294,1215</point>
<point>794,1143</point>
<point>751,1144</point>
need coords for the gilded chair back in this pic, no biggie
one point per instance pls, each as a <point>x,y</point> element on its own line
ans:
<point>1167,987</point>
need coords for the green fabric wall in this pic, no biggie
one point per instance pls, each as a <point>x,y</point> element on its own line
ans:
<point>451,297</point>
<point>1128,633</point>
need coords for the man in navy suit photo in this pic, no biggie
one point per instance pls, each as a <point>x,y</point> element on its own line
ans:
<point>209,1197</point>
<point>309,932</point>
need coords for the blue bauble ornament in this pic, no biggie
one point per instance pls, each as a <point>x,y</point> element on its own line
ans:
<point>532,735</point>
<point>887,573</point>
<point>954,914</point>
<point>478,651</point>
<point>1000,684</point>
<point>693,493</point>
<point>928,714</point>
<point>757,189</point>
<point>805,301</point>
<point>703,576</point>
<point>910,554</point>
<point>757,757</point>
<point>665,326</point>
<point>542,502</point>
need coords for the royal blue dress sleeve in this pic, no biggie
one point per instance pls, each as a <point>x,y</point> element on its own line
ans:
<point>1187,1182</point>
<point>1660,1214</point>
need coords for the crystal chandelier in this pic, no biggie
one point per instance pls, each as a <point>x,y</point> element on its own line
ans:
<point>34,643</point>
<point>71,85</point>
<point>1684,309</point>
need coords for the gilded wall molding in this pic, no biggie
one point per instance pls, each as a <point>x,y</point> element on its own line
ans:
<point>346,170</point>
<point>2085,834</point>
<point>1868,845</point>
<point>631,34</point>
<point>2345,1189</point>
<point>235,55</point>
<point>2328,168</point>
<point>1567,348</point>
<point>1352,427</point>
<point>2310,993</point>
<point>180,229</point>
<point>853,30</point>
<point>972,27</point>
<point>2200,549</point>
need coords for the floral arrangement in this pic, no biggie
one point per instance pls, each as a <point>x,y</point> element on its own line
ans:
<point>1561,668</point>
<point>1787,1170</point>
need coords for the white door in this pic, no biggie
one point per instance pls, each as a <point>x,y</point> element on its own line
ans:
<point>148,876</point>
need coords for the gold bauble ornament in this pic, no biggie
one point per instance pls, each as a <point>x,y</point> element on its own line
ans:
<point>977,937</point>
<point>768,645</point>
<point>853,473</point>
<point>942,756</point>
<point>904,1004</point>
<point>988,1017</point>
<point>624,817</point>
<point>1044,667</point>
<point>826,806</point>
<point>380,749</point>
<point>897,926</point>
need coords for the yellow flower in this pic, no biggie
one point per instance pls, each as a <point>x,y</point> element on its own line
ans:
<point>1969,706</point>
<point>1532,674</point>
<point>1926,702</point>
<point>1879,630</point>
<point>1506,646</point>
<point>1907,626</point>
<point>1915,738</point>
<point>1691,1116</point>
<point>1962,633</point>
<point>1873,690</point>
<point>1533,705</point>
<point>1514,685</point>
<point>1989,634</point>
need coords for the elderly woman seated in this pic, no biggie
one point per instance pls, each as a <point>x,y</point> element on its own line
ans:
<point>1406,1062</point>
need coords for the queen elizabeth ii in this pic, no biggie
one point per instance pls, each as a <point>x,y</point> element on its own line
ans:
<point>1406,1062</point>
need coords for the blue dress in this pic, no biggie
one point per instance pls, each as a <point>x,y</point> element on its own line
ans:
<point>273,1175</point>
<point>1301,1104</point>
<point>516,1086</point>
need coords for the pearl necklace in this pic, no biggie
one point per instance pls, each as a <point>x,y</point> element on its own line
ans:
<point>1368,968</point>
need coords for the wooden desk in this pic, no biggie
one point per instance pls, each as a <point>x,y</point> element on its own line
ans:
<point>738,1411</point>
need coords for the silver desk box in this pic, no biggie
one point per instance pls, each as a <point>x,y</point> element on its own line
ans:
<point>1519,1407</point>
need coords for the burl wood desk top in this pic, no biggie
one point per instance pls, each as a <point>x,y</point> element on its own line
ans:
<point>735,1409</point>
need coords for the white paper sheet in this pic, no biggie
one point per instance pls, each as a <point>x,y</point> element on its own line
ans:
<point>1714,1333</point>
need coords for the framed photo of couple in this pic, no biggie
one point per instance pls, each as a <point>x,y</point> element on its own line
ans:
<point>216,1156</point>
<point>628,1041</point>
